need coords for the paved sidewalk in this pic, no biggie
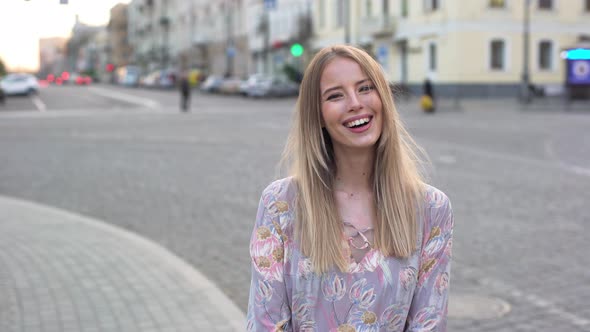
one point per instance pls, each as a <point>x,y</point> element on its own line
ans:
<point>61,272</point>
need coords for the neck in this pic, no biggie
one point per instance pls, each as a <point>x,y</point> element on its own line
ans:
<point>354,171</point>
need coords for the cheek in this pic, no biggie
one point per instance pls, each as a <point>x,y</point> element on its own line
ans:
<point>376,103</point>
<point>329,114</point>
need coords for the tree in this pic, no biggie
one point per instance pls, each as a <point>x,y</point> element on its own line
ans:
<point>2,68</point>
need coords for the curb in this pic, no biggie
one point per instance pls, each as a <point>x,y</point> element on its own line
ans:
<point>231,313</point>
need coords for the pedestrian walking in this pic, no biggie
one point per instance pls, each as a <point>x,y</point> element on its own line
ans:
<point>185,93</point>
<point>353,239</point>
<point>427,101</point>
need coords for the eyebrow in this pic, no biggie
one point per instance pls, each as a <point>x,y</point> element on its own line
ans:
<point>339,87</point>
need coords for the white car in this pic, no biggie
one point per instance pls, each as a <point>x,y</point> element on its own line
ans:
<point>271,86</point>
<point>19,84</point>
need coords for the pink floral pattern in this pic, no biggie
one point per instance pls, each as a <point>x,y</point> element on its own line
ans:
<point>377,294</point>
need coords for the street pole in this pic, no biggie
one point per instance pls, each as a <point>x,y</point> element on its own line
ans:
<point>525,91</point>
<point>229,50</point>
<point>165,24</point>
<point>266,17</point>
<point>346,10</point>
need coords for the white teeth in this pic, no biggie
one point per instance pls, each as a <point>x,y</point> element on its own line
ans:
<point>357,122</point>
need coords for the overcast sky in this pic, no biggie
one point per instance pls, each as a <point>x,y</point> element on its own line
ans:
<point>24,22</point>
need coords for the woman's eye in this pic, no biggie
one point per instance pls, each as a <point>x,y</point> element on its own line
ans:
<point>334,96</point>
<point>366,88</point>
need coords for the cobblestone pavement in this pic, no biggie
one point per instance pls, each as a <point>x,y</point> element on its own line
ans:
<point>60,272</point>
<point>518,179</point>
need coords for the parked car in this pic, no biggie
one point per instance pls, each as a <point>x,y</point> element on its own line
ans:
<point>272,86</point>
<point>83,80</point>
<point>79,79</point>
<point>19,84</point>
<point>211,84</point>
<point>151,80</point>
<point>230,85</point>
<point>250,82</point>
<point>167,79</point>
<point>128,75</point>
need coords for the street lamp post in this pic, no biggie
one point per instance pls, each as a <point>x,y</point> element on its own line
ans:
<point>346,9</point>
<point>525,91</point>
<point>229,48</point>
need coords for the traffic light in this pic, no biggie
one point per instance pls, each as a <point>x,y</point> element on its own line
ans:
<point>296,50</point>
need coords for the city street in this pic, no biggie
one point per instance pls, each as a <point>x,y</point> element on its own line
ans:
<point>518,179</point>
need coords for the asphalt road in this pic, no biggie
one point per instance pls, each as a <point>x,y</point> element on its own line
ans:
<point>518,180</point>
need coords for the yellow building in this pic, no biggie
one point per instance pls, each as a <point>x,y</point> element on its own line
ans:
<point>466,47</point>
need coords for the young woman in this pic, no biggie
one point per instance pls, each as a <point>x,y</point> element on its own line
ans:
<point>354,240</point>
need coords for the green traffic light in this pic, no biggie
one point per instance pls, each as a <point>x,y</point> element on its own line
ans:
<point>296,50</point>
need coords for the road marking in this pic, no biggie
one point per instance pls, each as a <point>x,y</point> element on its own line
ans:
<point>149,103</point>
<point>510,157</point>
<point>477,306</point>
<point>39,103</point>
<point>550,152</point>
<point>447,159</point>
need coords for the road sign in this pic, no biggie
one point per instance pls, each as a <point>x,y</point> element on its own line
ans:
<point>231,51</point>
<point>578,72</point>
<point>270,4</point>
<point>382,55</point>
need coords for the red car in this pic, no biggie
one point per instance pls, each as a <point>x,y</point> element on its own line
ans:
<point>83,80</point>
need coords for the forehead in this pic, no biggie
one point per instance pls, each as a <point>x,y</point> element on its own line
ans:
<point>341,71</point>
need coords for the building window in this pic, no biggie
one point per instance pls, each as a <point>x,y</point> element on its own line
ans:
<point>369,8</point>
<point>545,55</point>
<point>431,5</point>
<point>404,4</point>
<point>497,54</point>
<point>546,4</point>
<point>432,57</point>
<point>497,3</point>
<point>339,13</point>
<point>588,5</point>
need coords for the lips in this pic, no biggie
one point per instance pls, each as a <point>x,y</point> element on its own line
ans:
<point>358,124</point>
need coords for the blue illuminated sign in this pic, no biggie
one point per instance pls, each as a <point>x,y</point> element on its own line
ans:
<point>578,71</point>
<point>578,54</point>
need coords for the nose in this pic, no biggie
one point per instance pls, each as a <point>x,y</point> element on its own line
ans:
<point>354,103</point>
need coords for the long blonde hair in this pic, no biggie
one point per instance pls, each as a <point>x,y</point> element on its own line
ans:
<point>397,184</point>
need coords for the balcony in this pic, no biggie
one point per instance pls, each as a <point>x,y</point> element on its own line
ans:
<point>377,26</point>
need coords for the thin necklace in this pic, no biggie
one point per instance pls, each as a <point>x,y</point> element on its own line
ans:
<point>366,243</point>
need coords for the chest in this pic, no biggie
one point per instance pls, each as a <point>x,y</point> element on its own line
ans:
<point>357,210</point>
<point>357,214</point>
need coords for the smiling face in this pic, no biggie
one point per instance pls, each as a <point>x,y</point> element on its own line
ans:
<point>351,106</point>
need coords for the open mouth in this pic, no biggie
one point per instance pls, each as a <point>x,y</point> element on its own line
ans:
<point>359,125</point>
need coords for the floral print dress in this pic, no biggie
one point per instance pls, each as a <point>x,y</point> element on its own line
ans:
<point>376,294</point>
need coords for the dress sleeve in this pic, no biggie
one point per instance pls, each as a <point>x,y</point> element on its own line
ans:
<point>268,307</point>
<point>428,310</point>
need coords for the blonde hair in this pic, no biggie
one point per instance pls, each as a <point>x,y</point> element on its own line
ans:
<point>396,182</point>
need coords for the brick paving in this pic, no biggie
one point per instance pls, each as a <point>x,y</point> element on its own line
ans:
<point>61,272</point>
